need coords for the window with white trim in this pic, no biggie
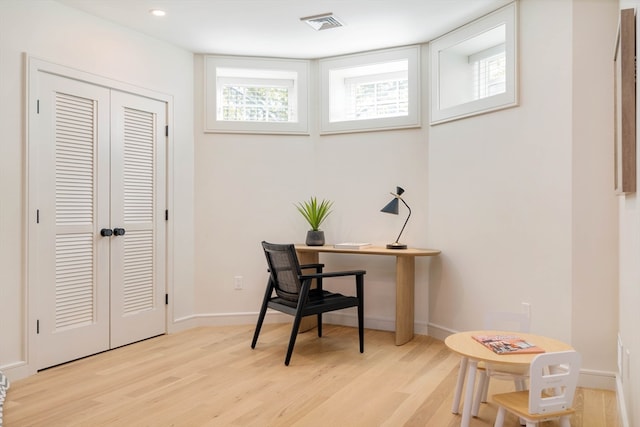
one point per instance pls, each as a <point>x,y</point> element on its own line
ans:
<point>370,91</point>
<point>474,67</point>
<point>256,95</point>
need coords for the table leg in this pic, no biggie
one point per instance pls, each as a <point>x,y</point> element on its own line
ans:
<point>462,372</point>
<point>472,368</point>
<point>405,295</point>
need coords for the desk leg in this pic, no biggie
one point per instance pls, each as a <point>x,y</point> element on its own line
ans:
<point>472,368</point>
<point>462,372</point>
<point>405,295</point>
<point>309,322</point>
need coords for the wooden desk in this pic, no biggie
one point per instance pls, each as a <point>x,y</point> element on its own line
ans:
<point>405,278</point>
<point>473,352</point>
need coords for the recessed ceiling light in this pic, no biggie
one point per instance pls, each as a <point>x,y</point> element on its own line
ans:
<point>157,12</point>
<point>323,21</point>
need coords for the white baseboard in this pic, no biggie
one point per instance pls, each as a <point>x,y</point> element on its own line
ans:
<point>597,379</point>
<point>622,407</point>
<point>440,332</point>
<point>248,318</point>
<point>16,371</point>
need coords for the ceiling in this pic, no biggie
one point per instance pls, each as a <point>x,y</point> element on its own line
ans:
<point>273,27</point>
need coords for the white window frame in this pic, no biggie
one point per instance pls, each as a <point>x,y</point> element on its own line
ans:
<point>342,66</point>
<point>289,72</point>
<point>445,87</point>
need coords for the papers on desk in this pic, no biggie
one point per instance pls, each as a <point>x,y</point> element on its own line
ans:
<point>507,344</point>
<point>352,245</point>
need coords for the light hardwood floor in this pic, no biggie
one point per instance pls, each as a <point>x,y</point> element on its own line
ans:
<point>210,376</point>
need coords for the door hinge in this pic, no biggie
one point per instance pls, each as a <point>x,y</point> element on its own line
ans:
<point>38,326</point>
<point>166,299</point>
<point>166,215</point>
<point>37,216</point>
<point>166,130</point>
<point>38,106</point>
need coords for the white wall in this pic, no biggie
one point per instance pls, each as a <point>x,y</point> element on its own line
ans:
<point>595,204</point>
<point>629,288</point>
<point>56,33</point>
<point>521,201</point>
<point>246,187</point>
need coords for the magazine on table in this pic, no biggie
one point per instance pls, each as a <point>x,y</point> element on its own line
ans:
<point>507,344</point>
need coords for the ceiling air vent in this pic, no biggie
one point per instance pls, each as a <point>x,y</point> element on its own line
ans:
<point>323,22</point>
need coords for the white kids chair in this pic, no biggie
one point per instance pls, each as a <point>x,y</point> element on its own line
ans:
<point>552,384</point>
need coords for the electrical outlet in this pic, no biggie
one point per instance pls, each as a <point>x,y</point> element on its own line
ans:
<point>526,309</point>
<point>620,359</point>
<point>627,364</point>
<point>237,283</point>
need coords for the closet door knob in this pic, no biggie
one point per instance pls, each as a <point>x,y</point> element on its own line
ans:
<point>106,232</point>
<point>118,231</point>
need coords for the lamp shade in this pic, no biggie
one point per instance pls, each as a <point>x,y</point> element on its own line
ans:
<point>391,207</point>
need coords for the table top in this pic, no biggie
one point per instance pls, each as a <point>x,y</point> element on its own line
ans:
<point>463,344</point>
<point>369,250</point>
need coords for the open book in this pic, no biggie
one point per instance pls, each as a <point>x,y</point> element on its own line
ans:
<point>507,344</point>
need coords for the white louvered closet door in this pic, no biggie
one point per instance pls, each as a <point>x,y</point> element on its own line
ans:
<point>137,207</point>
<point>72,183</point>
<point>99,178</point>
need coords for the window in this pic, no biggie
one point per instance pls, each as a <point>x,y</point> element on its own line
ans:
<point>374,96</point>
<point>255,95</point>
<point>473,68</point>
<point>489,72</point>
<point>370,91</point>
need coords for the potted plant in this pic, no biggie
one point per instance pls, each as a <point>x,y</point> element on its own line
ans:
<point>315,213</point>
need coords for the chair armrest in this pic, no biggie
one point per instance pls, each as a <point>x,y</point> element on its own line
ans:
<point>318,267</point>
<point>333,274</point>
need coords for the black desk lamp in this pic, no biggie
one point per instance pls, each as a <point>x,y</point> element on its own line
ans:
<point>392,208</point>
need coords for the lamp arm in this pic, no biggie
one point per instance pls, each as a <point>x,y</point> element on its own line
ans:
<point>406,221</point>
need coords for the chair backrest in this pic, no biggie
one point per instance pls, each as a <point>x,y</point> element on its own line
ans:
<point>284,269</point>
<point>552,382</point>
<point>506,321</point>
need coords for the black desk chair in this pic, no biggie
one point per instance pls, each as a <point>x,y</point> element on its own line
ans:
<point>294,296</point>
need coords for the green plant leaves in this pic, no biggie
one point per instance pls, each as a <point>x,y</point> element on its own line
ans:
<point>315,213</point>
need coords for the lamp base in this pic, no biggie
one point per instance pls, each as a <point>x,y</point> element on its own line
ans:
<point>396,245</point>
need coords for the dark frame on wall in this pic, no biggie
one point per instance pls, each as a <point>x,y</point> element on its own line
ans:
<point>625,103</point>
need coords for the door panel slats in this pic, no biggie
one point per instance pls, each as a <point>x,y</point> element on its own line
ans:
<point>75,139</point>
<point>75,158</point>
<point>138,276</point>
<point>138,181</point>
<point>139,138</point>
<point>74,280</point>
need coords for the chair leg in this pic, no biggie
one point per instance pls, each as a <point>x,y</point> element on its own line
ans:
<point>500,417</point>
<point>319,325</point>
<point>292,339</point>
<point>565,421</point>
<point>263,312</point>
